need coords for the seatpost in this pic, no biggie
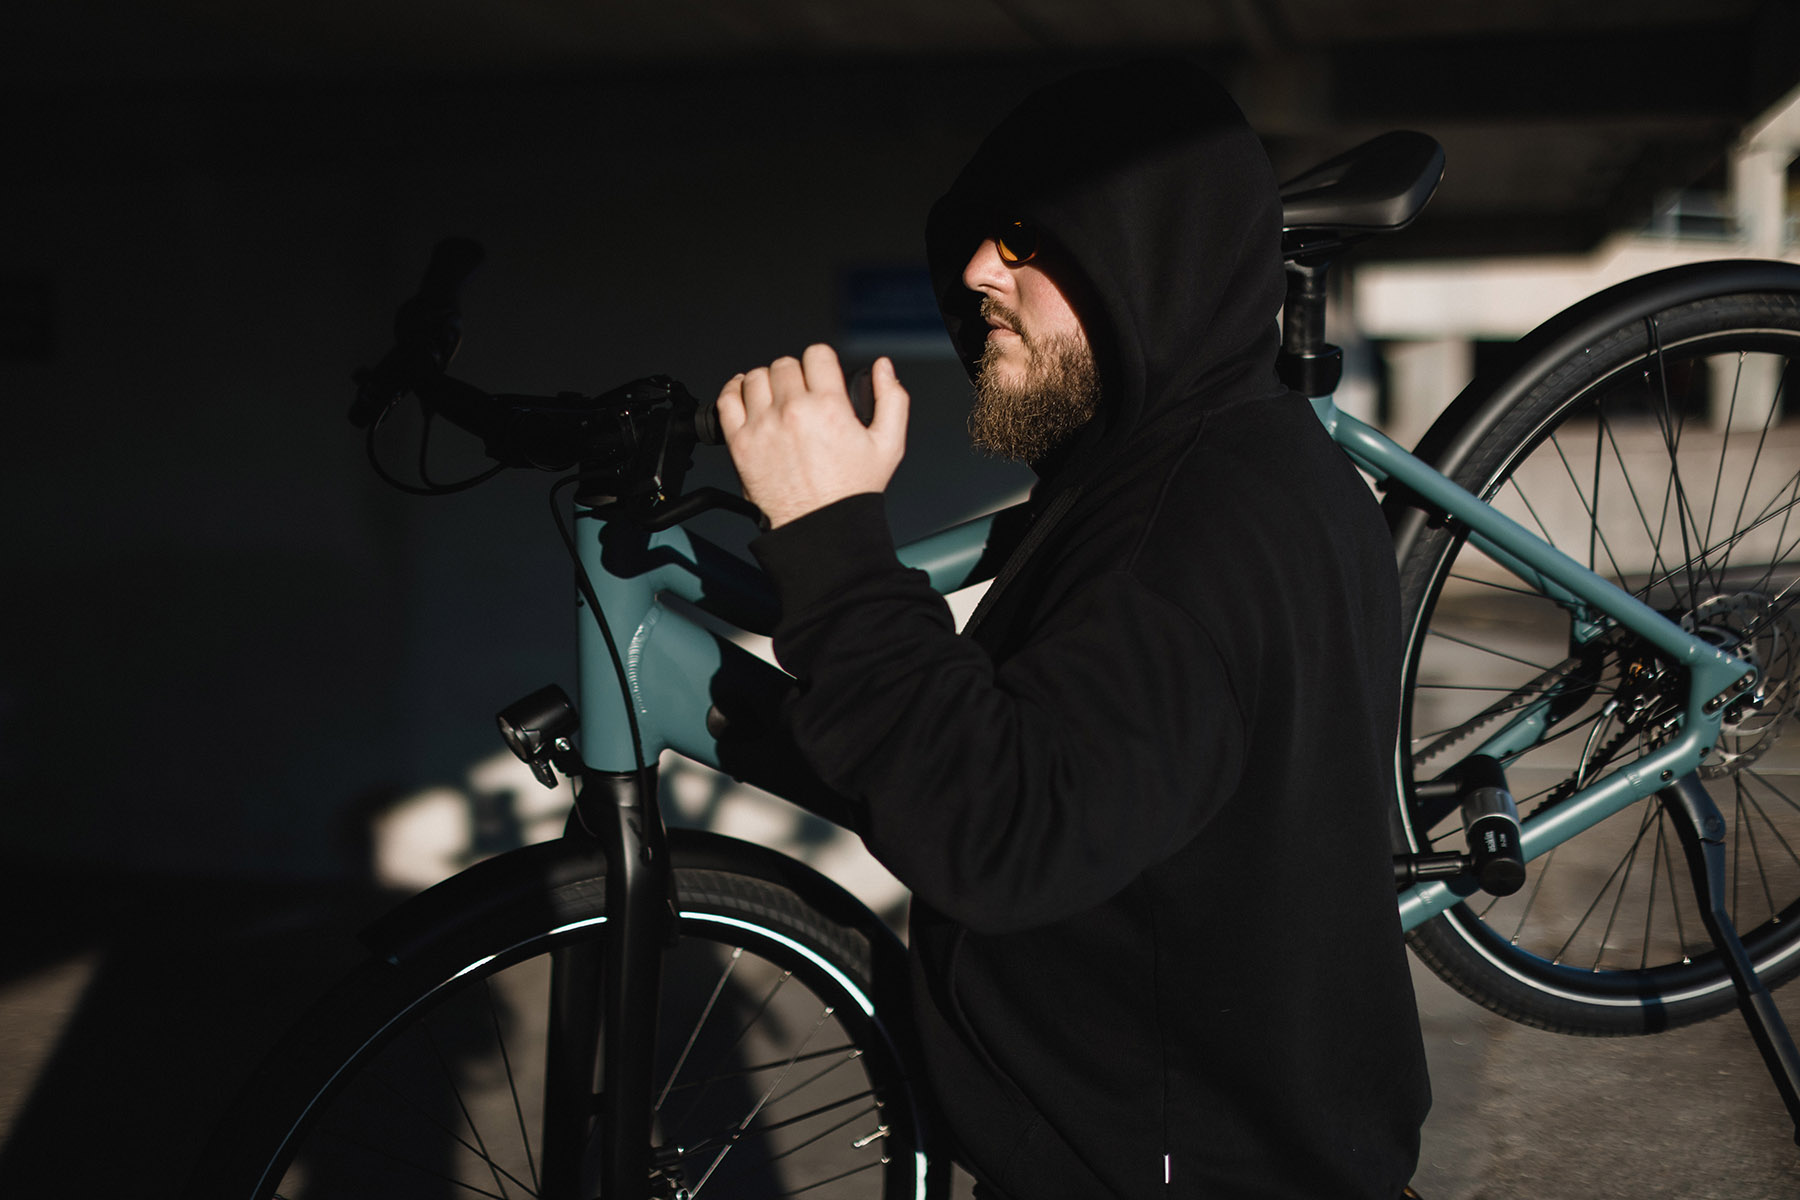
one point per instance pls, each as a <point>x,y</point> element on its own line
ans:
<point>1307,363</point>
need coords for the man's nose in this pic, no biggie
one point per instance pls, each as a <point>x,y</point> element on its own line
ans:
<point>986,272</point>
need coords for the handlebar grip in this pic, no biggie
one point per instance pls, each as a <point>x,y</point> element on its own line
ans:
<point>706,423</point>
<point>862,400</point>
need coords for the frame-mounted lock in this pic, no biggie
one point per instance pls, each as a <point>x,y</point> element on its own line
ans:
<point>538,730</point>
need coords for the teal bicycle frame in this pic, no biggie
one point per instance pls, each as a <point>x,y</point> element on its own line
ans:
<point>1594,606</point>
<point>671,661</point>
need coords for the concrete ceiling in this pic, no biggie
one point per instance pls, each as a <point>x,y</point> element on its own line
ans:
<point>1562,119</point>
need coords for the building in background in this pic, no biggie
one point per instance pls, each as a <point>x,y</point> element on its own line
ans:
<point>1418,326</point>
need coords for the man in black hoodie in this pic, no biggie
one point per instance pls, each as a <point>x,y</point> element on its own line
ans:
<point>1141,802</point>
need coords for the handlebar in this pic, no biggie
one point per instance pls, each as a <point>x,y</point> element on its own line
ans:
<point>632,444</point>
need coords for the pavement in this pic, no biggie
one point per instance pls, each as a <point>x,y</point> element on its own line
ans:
<point>131,1005</point>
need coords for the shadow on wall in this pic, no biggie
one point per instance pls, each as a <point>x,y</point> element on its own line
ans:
<point>422,837</point>
<point>134,1005</point>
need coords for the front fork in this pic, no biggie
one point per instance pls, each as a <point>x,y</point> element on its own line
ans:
<point>603,1008</point>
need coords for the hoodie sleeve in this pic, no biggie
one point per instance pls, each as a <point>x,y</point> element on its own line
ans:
<point>1012,797</point>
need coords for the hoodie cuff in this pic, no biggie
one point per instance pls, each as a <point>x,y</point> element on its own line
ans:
<point>823,553</point>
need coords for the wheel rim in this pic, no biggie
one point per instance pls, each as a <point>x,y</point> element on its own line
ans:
<point>772,1080</point>
<point>1610,916</point>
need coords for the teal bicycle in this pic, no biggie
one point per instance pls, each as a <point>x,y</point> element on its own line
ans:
<point>1596,826</point>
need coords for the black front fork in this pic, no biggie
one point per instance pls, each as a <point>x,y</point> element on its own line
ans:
<point>1702,833</point>
<point>603,1006</point>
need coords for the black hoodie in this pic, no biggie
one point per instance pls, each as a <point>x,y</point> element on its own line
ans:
<point>1142,809</point>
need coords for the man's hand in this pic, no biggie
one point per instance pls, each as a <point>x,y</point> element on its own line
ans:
<point>796,441</point>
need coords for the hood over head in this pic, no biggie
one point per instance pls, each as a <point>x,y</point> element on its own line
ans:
<point>1162,220</point>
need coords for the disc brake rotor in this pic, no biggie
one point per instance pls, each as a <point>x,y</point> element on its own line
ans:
<point>1755,629</point>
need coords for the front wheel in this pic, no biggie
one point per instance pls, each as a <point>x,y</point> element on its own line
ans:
<point>1663,453</point>
<point>776,1072</point>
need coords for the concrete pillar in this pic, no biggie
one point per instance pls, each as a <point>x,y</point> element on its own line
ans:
<point>1759,195</point>
<point>1743,386</point>
<point>1423,377</point>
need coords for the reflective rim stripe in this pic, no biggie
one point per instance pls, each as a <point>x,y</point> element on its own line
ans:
<point>921,1162</point>
<point>862,1001</point>
<point>856,993</point>
<point>1636,1000</point>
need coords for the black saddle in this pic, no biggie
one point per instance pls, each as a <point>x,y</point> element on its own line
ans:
<point>1378,187</point>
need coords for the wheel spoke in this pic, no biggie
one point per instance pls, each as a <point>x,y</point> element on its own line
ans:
<point>725,1133</point>
<point>1623,865</point>
<point>1674,426</point>
<point>730,1145</point>
<point>743,1031</point>
<point>1630,864</point>
<point>425,1114</point>
<point>1543,873</point>
<point>1681,937</point>
<point>1712,509</point>
<point>1762,439</point>
<point>462,1103</point>
<point>512,1085</point>
<point>417,1168</point>
<point>1493,585</point>
<point>731,962</point>
<point>1748,829</point>
<point>1651,536</point>
<point>1595,535</point>
<point>1656,858</point>
<point>1477,646</point>
<point>867,1110</point>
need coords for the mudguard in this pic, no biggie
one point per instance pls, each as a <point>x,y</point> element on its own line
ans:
<point>534,874</point>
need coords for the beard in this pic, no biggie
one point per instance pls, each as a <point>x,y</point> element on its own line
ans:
<point>1027,419</point>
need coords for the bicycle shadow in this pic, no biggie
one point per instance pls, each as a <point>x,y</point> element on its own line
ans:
<point>185,983</point>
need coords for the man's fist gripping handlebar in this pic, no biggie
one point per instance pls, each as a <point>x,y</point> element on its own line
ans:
<point>797,442</point>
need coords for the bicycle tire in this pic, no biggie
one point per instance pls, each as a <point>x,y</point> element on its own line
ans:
<point>777,1070</point>
<point>1605,449</point>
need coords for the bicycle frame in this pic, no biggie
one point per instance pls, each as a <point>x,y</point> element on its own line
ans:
<point>1595,606</point>
<point>672,662</point>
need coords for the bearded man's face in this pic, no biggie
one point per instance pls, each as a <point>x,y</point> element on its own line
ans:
<point>1032,390</point>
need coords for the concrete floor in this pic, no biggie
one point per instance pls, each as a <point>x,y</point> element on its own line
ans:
<point>122,1028</point>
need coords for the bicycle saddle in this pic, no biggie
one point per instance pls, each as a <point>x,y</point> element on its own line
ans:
<point>1378,187</point>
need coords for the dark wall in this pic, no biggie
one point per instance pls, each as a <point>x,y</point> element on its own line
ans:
<point>227,641</point>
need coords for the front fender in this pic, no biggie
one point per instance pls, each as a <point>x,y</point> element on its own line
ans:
<point>544,874</point>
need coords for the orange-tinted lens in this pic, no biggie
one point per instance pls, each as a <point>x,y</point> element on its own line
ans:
<point>1017,243</point>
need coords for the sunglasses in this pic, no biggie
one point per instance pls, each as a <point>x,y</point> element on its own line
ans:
<point>1017,242</point>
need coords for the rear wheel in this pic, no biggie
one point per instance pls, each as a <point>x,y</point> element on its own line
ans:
<point>775,1075</point>
<point>1662,457</point>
